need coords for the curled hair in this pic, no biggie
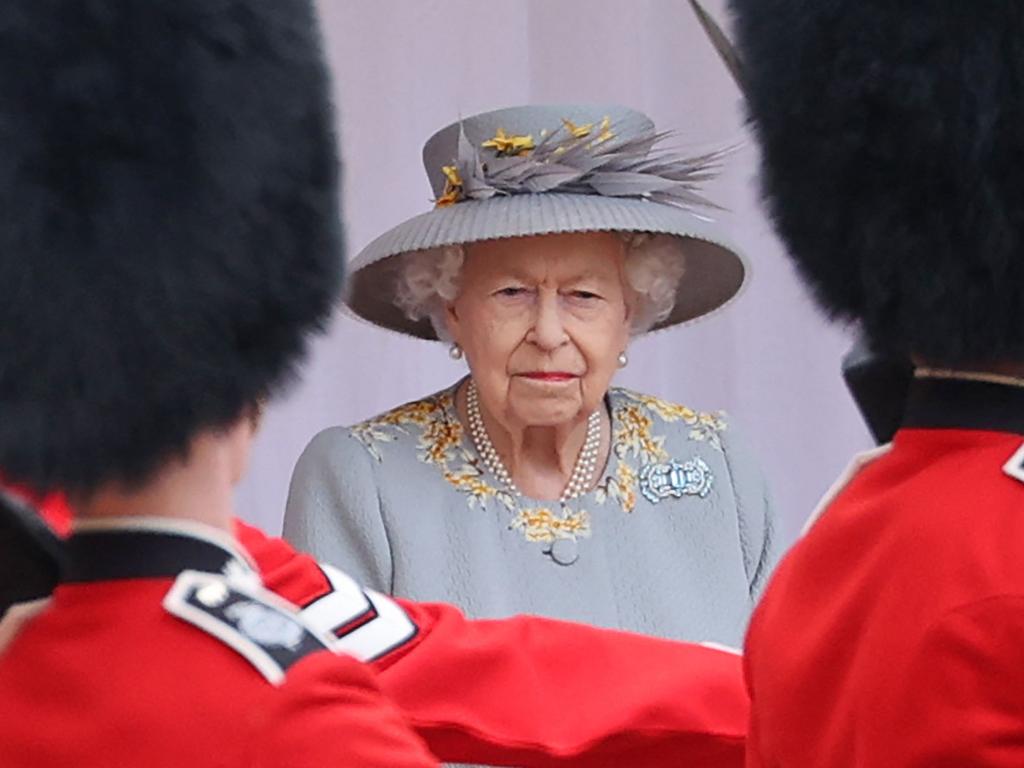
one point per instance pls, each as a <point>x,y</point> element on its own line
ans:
<point>428,280</point>
<point>653,270</point>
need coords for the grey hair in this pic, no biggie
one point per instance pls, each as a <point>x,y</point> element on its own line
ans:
<point>428,280</point>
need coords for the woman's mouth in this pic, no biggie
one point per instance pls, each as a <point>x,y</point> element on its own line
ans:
<point>549,376</point>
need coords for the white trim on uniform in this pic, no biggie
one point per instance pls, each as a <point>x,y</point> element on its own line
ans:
<point>723,648</point>
<point>176,602</point>
<point>391,629</point>
<point>388,627</point>
<point>1014,466</point>
<point>344,604</point>
<point>857,463</point>
<point>16,616</point>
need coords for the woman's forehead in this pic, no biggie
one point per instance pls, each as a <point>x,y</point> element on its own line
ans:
<point>562,256</point>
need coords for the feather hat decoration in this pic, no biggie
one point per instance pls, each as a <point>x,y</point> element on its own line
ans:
<point>569,159</point>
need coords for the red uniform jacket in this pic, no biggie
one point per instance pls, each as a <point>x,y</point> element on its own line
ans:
<point>133,665</point>
<point>892,635</point>
<point>526,691</point>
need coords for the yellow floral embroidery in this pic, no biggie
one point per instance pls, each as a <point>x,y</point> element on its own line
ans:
<point>439,437</point>
<point>468,480</point>
<point>369,434</point>
<point>438,434</point>
<point>705,426</point>
<point>626,480</point>
<point>440,443</point>
<point>632,435</point>
<point>633,438</point>
<point>541,524</point>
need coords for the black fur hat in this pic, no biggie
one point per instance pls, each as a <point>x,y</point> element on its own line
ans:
<point>893,143</point>
<point>169,228</point>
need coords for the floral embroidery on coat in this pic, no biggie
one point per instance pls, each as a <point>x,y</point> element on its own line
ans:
<point>541,524</point>
<point>440,443</point>
<point>635,443</point>
<point>634,440</point>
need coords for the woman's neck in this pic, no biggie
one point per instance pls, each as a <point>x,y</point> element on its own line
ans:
<point>540,459</point>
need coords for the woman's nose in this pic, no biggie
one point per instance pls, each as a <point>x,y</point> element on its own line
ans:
<point>548,330</point>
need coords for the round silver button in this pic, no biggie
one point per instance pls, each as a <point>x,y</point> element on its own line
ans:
<point>565,551</point>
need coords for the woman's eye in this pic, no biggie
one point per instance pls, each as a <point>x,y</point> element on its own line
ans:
<point>511,291</point>
<point>586,295</point>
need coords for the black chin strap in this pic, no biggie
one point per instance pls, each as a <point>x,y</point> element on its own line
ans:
<point>880,385</point>
<point>32,557</point>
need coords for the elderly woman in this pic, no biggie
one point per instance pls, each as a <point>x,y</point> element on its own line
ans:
<point>533,485</point>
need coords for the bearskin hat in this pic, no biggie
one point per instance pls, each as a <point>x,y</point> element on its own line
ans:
<point>893,139</point>
<point>169,229</point>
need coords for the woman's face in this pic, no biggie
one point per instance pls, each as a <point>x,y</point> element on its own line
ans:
<point>542,321</point>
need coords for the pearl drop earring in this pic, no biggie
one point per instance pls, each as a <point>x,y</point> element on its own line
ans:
<point>455,352</point>
<point>623,360</point>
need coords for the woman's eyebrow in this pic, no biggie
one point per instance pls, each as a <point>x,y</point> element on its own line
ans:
<point>511,273</point>
<point>590,274</point>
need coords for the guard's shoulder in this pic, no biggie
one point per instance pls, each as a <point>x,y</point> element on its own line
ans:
<point>262,628</point>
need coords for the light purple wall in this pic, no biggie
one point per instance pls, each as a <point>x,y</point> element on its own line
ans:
<point>404,68</point>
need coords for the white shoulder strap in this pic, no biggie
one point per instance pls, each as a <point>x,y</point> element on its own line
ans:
<point>267,631</point>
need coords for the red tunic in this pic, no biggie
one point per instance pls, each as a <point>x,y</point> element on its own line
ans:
<point>527,691</point>
<point>892,635</point>
<point>109,677</point>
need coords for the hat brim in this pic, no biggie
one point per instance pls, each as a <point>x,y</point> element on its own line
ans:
<point>715,271</point>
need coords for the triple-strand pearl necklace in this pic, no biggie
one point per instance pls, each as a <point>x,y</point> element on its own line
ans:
<point>582,473</point>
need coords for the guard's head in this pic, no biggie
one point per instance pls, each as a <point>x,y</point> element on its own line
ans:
<point>168,225</point>
<point>893,163</point>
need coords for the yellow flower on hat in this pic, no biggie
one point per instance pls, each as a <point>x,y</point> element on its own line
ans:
<point>606,131</point>
<point>452,187</point>
<point>507,146</point>
<point>577,131</point>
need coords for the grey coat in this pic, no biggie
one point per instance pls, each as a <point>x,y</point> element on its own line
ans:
<point>678,550</point>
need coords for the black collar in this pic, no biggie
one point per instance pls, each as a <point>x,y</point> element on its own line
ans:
<point>956,404</point>
<point>139,553</point>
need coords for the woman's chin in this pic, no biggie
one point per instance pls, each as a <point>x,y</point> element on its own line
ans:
<point>552,412</point>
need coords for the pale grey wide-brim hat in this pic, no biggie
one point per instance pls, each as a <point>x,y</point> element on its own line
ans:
<point>601,171</point>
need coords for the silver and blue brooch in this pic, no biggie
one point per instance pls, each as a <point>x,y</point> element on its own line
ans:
<point>675,479</point>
